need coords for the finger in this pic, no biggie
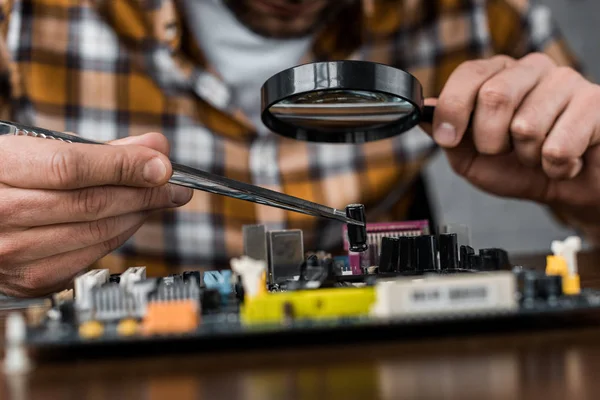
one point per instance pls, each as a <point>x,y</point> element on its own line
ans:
<point>573,133</point>
<point>457,100</point>
<point>25,208</point>
<point>42,242</point>
<point>55,272</point>
<point>498,99</point>
<point>152,140</point>
<point>57,165</point>
<point>538,113</point>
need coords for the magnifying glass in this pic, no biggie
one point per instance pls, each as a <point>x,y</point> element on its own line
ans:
<point>343,102</point>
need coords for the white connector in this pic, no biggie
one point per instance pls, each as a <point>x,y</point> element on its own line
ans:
<point>84,285</point>
<point>568,249</point>
<point>251,272</point>
<point>16,360</point>
<point>132,275</point>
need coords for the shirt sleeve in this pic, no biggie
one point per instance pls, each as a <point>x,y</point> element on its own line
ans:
<point>520,27</point>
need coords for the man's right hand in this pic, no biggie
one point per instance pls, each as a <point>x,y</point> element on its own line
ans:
<point>63,206</point>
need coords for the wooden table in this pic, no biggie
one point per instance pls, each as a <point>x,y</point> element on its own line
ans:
<point>560,364</point>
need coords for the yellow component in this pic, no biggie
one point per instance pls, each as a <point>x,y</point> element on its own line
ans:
<point>557,265</point>
<point>571,284</point>
<point>127,327</point>
<point>262,285</point>
<point>91,330</point>
<point>171,317</point>
<point>308,304</point>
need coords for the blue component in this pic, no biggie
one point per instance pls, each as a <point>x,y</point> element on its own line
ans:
<point>219,280</point>
<point>343,260</point>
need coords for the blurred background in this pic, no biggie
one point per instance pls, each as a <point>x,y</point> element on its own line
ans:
<point>517,226</point>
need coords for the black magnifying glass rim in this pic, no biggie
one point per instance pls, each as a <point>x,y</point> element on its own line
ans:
<point>354,75</point>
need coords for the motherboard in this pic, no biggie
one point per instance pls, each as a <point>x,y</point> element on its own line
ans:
<point>396,279</point>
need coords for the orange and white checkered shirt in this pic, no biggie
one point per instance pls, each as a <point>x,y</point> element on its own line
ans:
<point>106,69</point>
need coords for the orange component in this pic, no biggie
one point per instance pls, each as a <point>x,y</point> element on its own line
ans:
<point>172,317</point>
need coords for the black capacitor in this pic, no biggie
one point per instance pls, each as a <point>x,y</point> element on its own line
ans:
<point>498,258</point>
<point>357,235</point>
<point>448,248</point>
<point>474,262</point>
<point>426,253</point>
<point>488,262</point>
<point>407,261</point>
<point>465,252</point>
<point>390,254</point>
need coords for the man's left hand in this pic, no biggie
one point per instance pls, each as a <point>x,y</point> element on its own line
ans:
<point>534,132</point>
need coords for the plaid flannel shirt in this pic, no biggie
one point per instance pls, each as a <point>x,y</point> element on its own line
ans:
<point>106,69</point>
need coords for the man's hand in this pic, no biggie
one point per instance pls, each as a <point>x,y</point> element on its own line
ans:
<point>534,133</point>
<point>63,206</point>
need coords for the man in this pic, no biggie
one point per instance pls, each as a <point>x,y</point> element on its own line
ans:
<point>191,70</point>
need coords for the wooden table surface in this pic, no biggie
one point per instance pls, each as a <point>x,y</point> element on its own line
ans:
<point>560,364</point>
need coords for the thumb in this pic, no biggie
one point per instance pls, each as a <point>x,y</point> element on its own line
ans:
<point>153,140</point>
<point>428,126</point>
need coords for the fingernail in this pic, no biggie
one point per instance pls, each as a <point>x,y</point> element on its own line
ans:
<point>155,170</point>
<point>180,195</point>
<point>576,168</point>
<point>445,134</point>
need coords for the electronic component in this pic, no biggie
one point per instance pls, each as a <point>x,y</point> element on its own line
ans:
<point>61,297</point>
<point>91,329</point>
<point>127,327</point>
<point>253,275</point>
<point>463,234</point>
<point>390,255</point>
<point>448,250</point>
<point>286,253</point>
<point>426,253</point>
<point>84,285</point>
<point>446,294</point>
<point>220,281</point>
<point>408,255</point>
<point>132,275</point>
<point>16,359</point>
<point>568,249</point>
<point>36,313</point>
<point>308,304</point>
<point>180,291</point>
<point>114,301</point>
<point>192,276</point>
<point>171,317</point>
<point>255,242</point>
<point>68,314</point>
<point>466,260</point>
<point>357,235</point>
<point>375,233</point>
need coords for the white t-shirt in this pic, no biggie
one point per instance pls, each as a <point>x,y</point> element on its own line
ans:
<point>244,59</point>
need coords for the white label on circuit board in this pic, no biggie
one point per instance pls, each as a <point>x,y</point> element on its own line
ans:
<point>442,297</point>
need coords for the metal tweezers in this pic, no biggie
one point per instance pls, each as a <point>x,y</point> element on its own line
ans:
<point>202,180</point>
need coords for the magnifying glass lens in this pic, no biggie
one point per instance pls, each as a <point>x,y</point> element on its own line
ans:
<point>341,109</point>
